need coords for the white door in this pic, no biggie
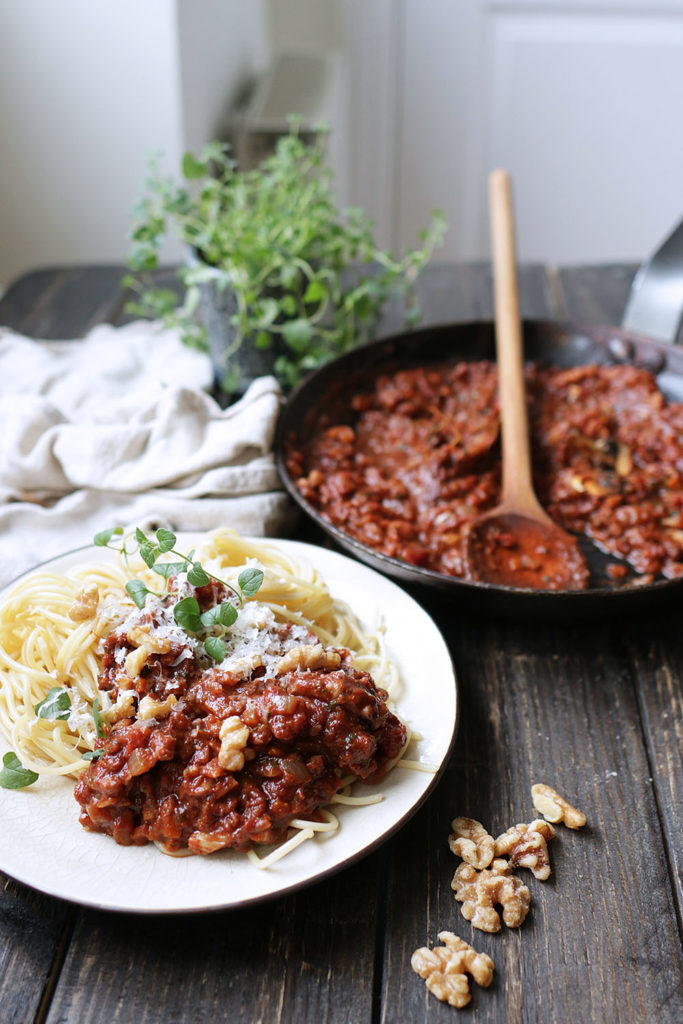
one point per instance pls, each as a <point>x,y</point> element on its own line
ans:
<point>581,100</point>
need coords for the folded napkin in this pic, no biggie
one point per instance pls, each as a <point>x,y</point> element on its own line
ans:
<point>117,429</point>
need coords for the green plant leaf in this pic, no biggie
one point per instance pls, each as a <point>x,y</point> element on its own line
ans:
<point>297,334</point>
<point>102,538</point>
<point>149,553</point>
<point>250,581</point>
<point>198,576</point>
<point>187,614</point>
<point>315,292</point>
<point>166,540</point>
<point>223,614</point>
<point>193,168</point>
<point>215,648</point>
<point>138,591</point>
<point>99,724</point>
<point>13,775</point>
<point>168,569</point>
<point>56,705</point>
<point>91,755</point>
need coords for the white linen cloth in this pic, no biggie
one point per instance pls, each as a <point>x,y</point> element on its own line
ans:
<point>116,429</point>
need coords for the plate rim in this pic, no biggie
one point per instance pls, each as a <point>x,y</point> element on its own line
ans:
<point>308,550</point>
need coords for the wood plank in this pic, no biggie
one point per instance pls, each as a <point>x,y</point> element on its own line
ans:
<point>300,958</point>
<point>655,654</point>
<point>596,295</point>
<point>556,705</point>
<point>68,302</point>
<point>33,936</point>
<point>447,293</point>
<point>656,657</point>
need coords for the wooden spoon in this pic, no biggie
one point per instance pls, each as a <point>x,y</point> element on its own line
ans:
<point>516,543</point>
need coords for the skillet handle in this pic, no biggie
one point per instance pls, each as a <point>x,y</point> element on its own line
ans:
<point>655,303</point>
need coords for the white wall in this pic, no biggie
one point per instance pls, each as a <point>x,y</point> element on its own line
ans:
<point>580,100</point>
<point>89,88</point>
<point>223,44</point>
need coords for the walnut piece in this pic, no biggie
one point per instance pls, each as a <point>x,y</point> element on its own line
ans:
<point>234,735</point>
<point>444,969</point>
<point>151,708</point>
<point>555,808</point>
<point>123,708</point>
<point>140,636</point>
<point>526,847</point>
<point>243,668</point>
<point>135,662</point>
<point>85,604</point>
<point>480,892</point>
<point>308,656</point>
<point>471,841</point>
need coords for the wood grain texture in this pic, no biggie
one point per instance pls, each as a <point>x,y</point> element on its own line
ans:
<point>34,931</point>
<point>594,709</point>
<point>301,958</point>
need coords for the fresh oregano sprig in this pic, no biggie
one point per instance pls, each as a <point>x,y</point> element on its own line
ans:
<point>307,278</point>
<point>13,775</point>
<point>187,612</point>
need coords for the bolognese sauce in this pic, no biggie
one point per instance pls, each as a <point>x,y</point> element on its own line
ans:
<point>412,459</point>
<point>209,755</point>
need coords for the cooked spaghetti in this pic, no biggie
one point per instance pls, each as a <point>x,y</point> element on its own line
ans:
<point>199,754</point>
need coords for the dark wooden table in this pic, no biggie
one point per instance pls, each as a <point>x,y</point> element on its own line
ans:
<point>594,708</point>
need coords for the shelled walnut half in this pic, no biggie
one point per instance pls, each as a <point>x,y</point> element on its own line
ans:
<point>555,808</point>
<point>470,840</point>
<point>480,892</point>
<point>526,847</point>
<point>445,969</point>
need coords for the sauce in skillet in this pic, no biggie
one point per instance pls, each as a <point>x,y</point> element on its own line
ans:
<point>412,460</point>
<point>514,551</point>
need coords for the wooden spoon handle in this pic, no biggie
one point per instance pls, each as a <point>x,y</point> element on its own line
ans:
<point>517,487</point>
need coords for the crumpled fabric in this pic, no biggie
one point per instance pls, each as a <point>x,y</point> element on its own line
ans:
<point>117,429</point>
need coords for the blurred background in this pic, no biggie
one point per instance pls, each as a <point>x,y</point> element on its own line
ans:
<point>579,99</point>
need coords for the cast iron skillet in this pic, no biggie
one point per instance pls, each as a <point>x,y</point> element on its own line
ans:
<point>562,345</point>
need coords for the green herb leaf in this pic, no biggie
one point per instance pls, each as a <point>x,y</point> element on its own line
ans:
<point>168,569</point>
<point>91,755</point>
<point>166,540</point>
<point>149,553</point>
<point>192,168</point>
<point>187,615</point>
<point>102,538</point>
<point>215,648</point>
<point>13,775</point>
<point>56,706</point>
<point>250,581</point>
<point>138,591</point>
<point>198,576</point>
<point>315,292</point>
<point>99,725</point>
<point>223,614</point>
<point>297,334</point>
<point>140,536</point>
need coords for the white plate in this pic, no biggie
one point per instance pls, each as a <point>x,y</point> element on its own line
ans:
<point>43,845</point>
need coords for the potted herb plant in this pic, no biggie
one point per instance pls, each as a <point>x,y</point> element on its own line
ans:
<point>279,279</point>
